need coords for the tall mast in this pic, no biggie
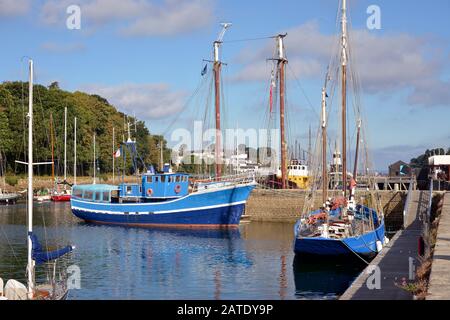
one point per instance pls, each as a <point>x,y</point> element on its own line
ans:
<point>309,146</point>
<point>161,160</point>
<point>114,156</point>
<point>95,165</point>
<point>324,147</point>
<point>75,151</point>
<point>65,146</point>
<point>53,155</point>
<point>217,70</point>
<point>344,95</point>
<point>30,266</point>
<point>281,64</point>
<point>355,167</point>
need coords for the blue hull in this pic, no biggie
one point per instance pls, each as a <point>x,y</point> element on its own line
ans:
<point>365,245</point>
<point>215,208</point>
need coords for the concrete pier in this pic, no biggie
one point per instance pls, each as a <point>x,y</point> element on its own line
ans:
<point>397,261</point>
<point>287,206</point>
<point>439,285</point>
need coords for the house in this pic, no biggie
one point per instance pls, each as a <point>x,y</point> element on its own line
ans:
<point>399,169</point>
<point>439,167</point>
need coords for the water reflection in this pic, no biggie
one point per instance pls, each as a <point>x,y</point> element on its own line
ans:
<point>324,278</point>
<point>116,262</point>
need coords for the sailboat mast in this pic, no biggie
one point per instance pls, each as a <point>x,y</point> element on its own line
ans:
<point>281,69</point>
<point>324,148</point>
<point>95,165</point>
<point>114,156</point>
<point>344,95</point>
<point>217,69</point>
<point>53,154</point>
<point>30,266</point>
<point>65,146</point>
<point>355,167</point>
<point>75,151</point>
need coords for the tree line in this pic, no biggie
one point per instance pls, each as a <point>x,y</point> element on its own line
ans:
<point>95,115</point>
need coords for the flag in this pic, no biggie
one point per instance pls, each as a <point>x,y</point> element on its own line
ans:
<point>117,153</point>
<point>204,70</point>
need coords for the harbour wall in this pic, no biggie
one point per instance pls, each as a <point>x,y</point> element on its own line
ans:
<point>287,205</point>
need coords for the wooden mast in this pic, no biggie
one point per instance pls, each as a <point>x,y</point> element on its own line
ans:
<point>355,167</point>
<point>324,148</point>
<point>218,145</point>
<point>344,96</point>
<point>217,69</point>
<point>281,69</point>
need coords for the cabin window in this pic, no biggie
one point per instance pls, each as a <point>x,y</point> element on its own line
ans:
<point>140,189</point>
<point>163,178</point>
<point>156,179</point>
<point>98,196</point>
<point>78,193</point>
<point>149,179</point>
<point>88,195</point>
<point>115,193</point>
<point>178,179</point>
<point>129,189</point>
<point>106,196</point>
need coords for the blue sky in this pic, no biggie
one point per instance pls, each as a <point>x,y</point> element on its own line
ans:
<point>145,57</point>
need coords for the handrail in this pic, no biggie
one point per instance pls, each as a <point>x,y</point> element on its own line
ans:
<point>407,202</point>
<point>235,179</point>
<point>430,201</point>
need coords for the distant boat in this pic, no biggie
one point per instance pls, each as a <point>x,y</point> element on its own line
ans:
<point>53,289</point>
<point>344,225</point>
<point>57,194</point>
<point>8,197</point>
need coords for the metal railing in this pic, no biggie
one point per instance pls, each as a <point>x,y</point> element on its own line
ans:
<point>407,204</point>
<point>229,180</point>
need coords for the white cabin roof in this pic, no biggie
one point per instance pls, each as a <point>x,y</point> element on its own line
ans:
<point>439,160</point>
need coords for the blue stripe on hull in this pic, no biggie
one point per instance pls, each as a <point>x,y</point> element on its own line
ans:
<point>364,245</point>
<point>229,215</point>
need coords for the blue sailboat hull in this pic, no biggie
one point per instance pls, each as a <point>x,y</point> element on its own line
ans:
<point>215,208</point>
<point>364,245</point>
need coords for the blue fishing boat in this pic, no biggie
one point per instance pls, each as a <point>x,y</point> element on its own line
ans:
<point>334,233</point>
<point>346,224</point>
<point>164,199</point>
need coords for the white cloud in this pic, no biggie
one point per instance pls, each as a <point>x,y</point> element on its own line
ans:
<point>148,101</point>
<point>385,63</point>
<point>135,17</point>
<point>14,7</point>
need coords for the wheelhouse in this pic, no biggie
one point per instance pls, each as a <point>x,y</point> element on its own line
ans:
<point>165,185</point>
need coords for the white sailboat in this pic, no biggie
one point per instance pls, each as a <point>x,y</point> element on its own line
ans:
<point>53,290</point>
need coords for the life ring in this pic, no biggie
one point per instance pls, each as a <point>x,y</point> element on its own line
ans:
<point>149,192</point>
<point>177,188</point>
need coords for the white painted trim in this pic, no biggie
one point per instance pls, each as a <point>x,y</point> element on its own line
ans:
<point>161,211</point>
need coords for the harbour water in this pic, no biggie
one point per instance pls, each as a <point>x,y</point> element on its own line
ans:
<point>254,262</point>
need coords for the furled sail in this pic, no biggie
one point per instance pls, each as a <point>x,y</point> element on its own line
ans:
<point>40,256</point>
